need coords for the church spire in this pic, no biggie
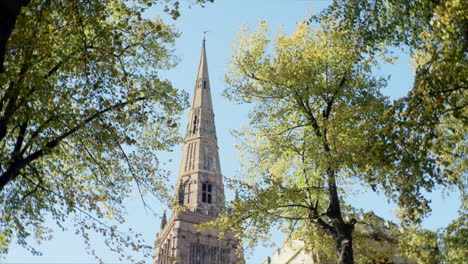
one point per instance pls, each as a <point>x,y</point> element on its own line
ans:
<point>200,185</point>
<point>202,96</point>
<point>199,189</point>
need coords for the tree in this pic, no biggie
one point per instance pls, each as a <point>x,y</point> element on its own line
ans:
<point>436,36</point>
<point>316,106</point>
<point>431,120</point>
<point>454,239</point>
<point>317,131</point>
<point>446,245</point>
<point>83,113</point>
<point>10,9</point>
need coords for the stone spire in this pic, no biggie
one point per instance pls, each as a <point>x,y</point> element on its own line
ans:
<point>199,189</point>
<point>200,185</point>
<point>202,97</point>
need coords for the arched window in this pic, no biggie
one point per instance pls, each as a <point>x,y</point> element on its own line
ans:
<point>204,84</point>
<point>181,194</point>
<point>195,121</point>
<point>206,192</point>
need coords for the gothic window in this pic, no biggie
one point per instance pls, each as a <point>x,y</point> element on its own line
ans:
<point>207,192</point>
<point>181,194</point>
<point>202,254</point>
<point>213,255</point>
<point>223,256</point>
<point>204,84</point>
<point>195,120</point>
<point>192,254</point>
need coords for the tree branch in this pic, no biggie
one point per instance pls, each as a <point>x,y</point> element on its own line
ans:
<point>14,168</point>
<point>9,11</point>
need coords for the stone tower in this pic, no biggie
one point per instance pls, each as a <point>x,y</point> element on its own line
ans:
<point>199,189</point>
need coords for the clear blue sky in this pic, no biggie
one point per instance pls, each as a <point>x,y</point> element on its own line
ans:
<point>222,19</point>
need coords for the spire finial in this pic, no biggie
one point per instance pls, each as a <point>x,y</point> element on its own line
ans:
<point>204,38</point>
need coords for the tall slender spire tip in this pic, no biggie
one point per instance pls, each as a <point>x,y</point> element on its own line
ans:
<point>204,38</point>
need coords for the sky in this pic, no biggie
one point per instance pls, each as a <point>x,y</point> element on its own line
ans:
<point>222,20</point>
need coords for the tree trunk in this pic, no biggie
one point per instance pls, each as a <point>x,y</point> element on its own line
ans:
<point>342,236</point>
<point>9,11</point>
<point>340,230</point>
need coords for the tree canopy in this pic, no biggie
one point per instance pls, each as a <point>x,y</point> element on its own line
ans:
<point>431,120</point>
<point>83,113</point>
<point>435,35</point>
<point>318,129</point>
<point>316,107</point>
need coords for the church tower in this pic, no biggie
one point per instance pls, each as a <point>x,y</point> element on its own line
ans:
<point>199,189</point>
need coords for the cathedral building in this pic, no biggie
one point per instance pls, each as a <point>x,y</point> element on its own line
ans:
<point>199,190</point>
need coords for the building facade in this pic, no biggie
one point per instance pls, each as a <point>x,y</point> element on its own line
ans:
<point>291,252</point>
<point>199,190</point>
<point>375,246</point>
